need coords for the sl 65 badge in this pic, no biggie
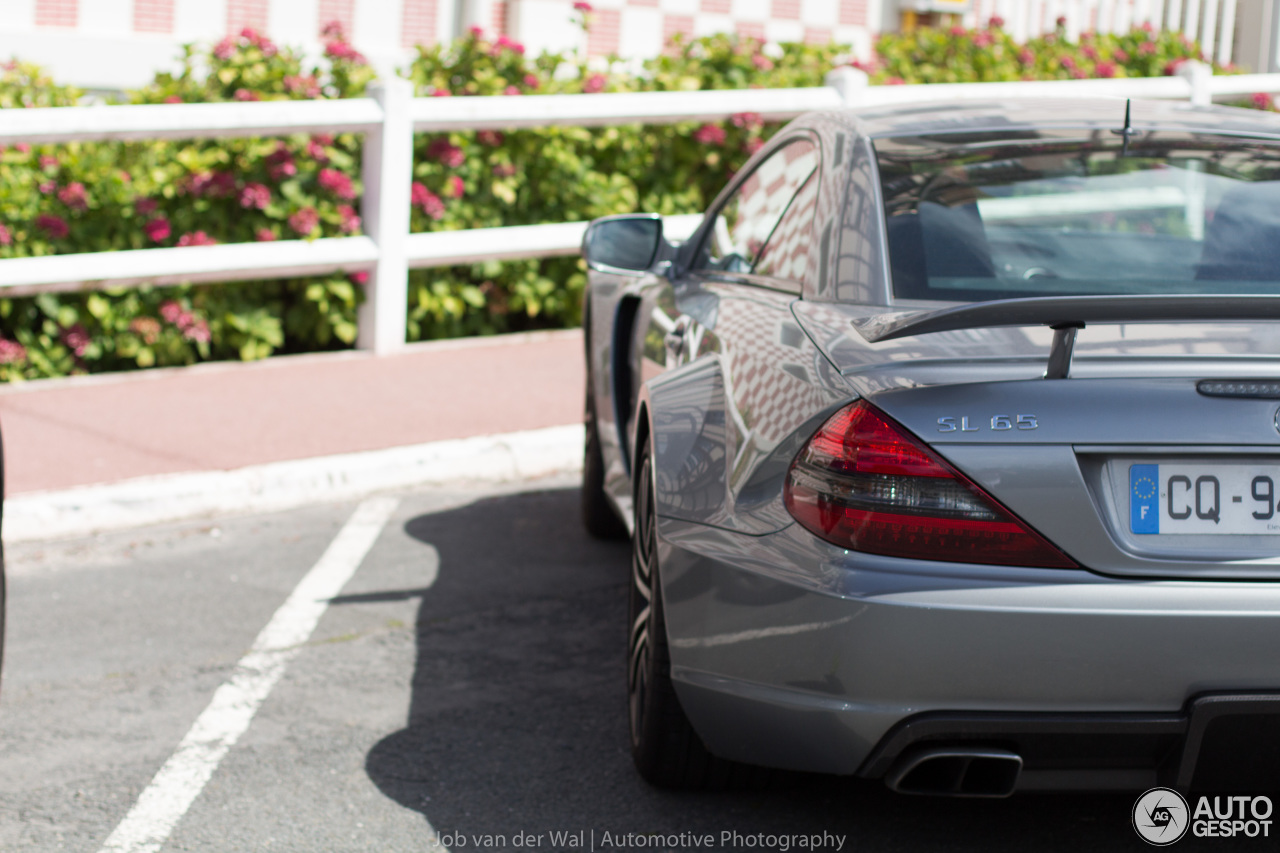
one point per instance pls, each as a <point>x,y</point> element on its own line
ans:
<point>999,423</point>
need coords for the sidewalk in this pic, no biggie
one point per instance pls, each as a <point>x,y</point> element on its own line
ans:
<point>309,413</point>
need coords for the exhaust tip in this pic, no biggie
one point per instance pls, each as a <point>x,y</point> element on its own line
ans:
<point>956,772</point>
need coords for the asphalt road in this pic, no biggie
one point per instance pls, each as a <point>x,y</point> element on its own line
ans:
<point>469,679</point>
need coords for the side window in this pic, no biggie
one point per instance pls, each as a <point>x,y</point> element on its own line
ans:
<point>745,221</point>
<point>786,254</point>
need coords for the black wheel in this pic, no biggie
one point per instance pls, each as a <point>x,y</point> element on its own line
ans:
<point>597,513</point>
<point>666,750</point>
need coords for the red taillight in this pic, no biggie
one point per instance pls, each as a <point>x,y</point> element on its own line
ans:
<point>865,483</point>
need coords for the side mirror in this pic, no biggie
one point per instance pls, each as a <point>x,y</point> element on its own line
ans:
<point>626,243</point>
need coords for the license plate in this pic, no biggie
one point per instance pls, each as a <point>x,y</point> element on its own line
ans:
<point>1204,499</point>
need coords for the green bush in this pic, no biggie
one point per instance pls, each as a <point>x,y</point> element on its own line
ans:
<point>103,196</point>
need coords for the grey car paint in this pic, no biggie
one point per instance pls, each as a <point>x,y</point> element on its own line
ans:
<point>788,651</point>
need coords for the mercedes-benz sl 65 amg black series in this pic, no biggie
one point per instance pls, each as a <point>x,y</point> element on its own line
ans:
<point>949,449</point>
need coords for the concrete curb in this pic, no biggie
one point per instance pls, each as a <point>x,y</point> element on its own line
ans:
<point>283,485</point>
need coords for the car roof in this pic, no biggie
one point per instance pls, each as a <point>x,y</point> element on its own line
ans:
<point>939,117</point>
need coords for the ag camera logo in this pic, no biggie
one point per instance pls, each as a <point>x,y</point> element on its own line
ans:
<point>1160,816</point>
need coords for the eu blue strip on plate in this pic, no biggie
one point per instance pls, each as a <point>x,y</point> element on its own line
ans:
<point>1144,498</point>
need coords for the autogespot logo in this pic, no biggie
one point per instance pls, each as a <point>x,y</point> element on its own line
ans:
<point>1160,816</point>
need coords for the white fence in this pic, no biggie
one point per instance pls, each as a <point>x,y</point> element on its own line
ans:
<point>391,116</point>
<point>1210,22</point>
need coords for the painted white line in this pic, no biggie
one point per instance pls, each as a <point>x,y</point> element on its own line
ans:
<point>163,803</point>
<point>283,485</point>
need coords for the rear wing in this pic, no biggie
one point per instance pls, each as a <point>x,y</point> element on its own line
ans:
<point>1066,315</point>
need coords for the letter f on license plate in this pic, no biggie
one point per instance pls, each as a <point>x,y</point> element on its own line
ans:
<point>1144,498</point>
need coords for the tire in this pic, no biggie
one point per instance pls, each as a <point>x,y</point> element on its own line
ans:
<point>665,748</point>
<point>597,513</point>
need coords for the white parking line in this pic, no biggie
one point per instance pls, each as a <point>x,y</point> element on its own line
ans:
<point>159,808</point>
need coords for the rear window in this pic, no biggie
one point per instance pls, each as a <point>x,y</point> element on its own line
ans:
<point>1069,213</point>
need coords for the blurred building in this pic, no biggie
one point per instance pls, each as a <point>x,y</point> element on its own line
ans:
<point>109,44</point>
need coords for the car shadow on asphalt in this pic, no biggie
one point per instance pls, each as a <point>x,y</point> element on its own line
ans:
<point>517,720</point>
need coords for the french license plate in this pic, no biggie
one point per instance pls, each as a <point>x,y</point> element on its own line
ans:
<point>1204,499</point>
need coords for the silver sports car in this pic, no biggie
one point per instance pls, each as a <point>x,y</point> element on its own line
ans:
<point>950,449</point>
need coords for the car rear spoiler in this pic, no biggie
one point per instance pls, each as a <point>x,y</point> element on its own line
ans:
<point>1066,315</point>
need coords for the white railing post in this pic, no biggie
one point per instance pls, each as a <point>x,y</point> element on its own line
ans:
<point>849,83</point>
<point>387,173</point>
<point>1199,77</point>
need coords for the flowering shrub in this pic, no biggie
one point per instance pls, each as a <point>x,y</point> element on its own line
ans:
<point>96,197</point>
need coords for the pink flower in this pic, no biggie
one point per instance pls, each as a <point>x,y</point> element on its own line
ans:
<point>762,62</point>
<point>895,81</point>
<point>147,328</point>
<point>476,31</point>
<point>216,184</point>
<point>73,196</point>
<point>1261,100</point>
<point>492,138</point>
<point>22,148</point>
<point>145,206</point>
<point>173,99</point>
<point>531,81</point>
<point>157,229</point>
<point>305,221</point>
<point>710,134</point>
<point>1060,22</point>
<point>197,330</point>
<point>246,95</point>
<point>751,146</point>
<point>251,34</point>
<point>444,151</point>
<point>441,93</point>
<point>1147,48</point>
<point>504,43</point>
<point>1171,67</point>
<point>1026,56</point>
<point>594,83</point>
<point>6,239</point>
<point>957,30</point>
<point>322,138</point>
<point>995,23</point>
<point>255,195</point>
<point>1105,69</point>
<point>76,339</point>
<point>1068,63</point>
<point>453,187</point>
<point>512,90</point>
<point>504,170</point>
<point>54,226</point>
<point>983,39</point>
<point>361,278</point>
<point>344,51</point>
<point>350,220</point>
<point>48,162</point>
<point>427,200</point>
<point>333,30</point>
<point>747,120</point>
<point>1120,56</point>
<point>280,163</point>
<point>1089,51</point>
<point>47,187</point>
<point>225,49</point>
<point>337,183</point>
<point>196,238</point>
<point>171,311</point>
<point>265,235</point>
<point>316,152</point>
<point>305,85</point>
<point>11,351</point>
<point>581,6</point>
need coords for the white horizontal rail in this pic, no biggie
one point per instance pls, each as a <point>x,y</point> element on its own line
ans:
<point>230,262</point>
<point>502,113</point>
<point>516,242</point>
<point>186,121</point>
<point>1169,88</point>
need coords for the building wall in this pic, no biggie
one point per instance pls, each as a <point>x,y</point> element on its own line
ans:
<point>115,44</point>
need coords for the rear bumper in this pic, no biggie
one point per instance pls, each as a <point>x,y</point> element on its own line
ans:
<point>792,653</point>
